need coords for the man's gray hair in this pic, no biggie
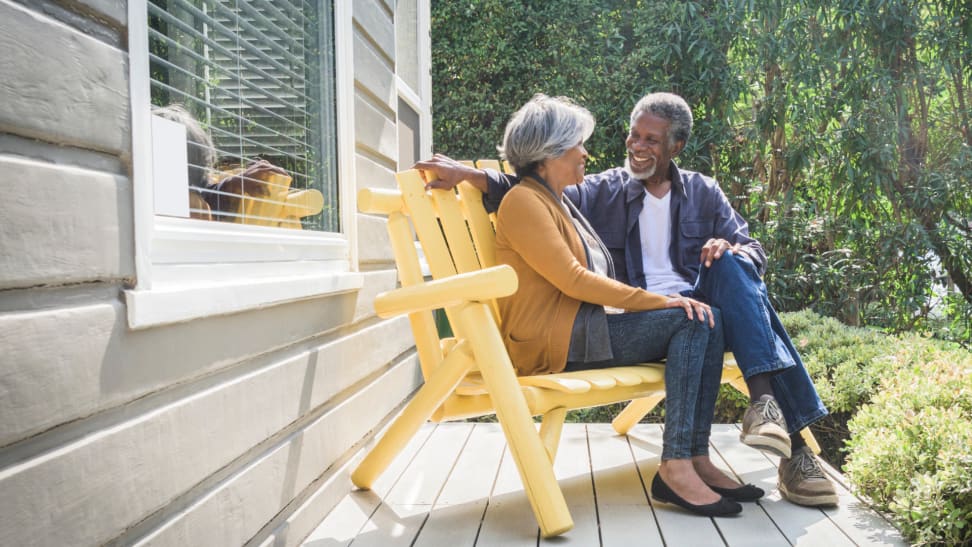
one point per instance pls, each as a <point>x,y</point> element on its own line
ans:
<point>668,106</point>
<point>544,128</point>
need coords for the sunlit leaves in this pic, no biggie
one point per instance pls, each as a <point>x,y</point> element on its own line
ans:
<point>854,115</point>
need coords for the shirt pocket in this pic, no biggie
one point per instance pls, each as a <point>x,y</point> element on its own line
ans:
<point>694,234</point>
<point>612,239</point>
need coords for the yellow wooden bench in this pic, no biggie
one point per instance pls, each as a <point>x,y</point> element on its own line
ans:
<point>470,374</point>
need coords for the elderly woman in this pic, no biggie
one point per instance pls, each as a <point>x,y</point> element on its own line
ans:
<point>568,313</point>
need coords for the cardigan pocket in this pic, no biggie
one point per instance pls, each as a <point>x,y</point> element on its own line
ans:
<point>528,356</point>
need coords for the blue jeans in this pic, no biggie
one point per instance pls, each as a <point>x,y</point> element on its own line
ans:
<point>756,337</point>
<point>693,369</point>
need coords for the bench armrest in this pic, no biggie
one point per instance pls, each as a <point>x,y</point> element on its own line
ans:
<point>480,285</point>
<point>378,201</point>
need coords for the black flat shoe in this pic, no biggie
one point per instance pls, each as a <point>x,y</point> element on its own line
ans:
<point>746,492</point>
<point>722,508</point>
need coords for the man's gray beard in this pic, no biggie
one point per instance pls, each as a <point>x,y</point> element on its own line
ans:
<point>642,175</point>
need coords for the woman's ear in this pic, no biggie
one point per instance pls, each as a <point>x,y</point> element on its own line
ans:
<point>541,168</point>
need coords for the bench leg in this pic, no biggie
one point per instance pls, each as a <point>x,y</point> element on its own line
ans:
<point>550,429</point>
<point>734,378</point>
<point>435,390</point>
<point>528,451</point>
<point>634,412</point>
<point>810,440</point>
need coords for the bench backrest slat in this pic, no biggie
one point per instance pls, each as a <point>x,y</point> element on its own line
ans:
<point>455,237</point>
<point>479,225</point>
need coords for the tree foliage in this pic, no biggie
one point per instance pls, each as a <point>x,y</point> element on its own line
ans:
<point>841,130</point>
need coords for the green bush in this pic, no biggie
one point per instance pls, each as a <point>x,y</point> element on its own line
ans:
<point>911,449</point>
<point>846,363</point>
<point>901,415</point>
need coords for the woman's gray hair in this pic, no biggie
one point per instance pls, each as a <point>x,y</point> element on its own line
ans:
<point>199,145</point>
<point>668,106</point>
<point>544,128</point>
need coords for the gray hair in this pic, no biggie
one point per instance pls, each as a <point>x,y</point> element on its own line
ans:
<point>668,106</point>
<point>199,145</point>
<point>544,128</point>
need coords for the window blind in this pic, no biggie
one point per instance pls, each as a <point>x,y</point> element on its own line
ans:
<point>258,78</point>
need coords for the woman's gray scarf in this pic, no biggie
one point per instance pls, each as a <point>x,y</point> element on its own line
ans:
<point>580,223</point>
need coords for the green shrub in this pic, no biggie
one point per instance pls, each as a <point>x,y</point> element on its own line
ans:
<point>607,413</point>
<point>901,414</point>
<point>846,363</point>
<point>911,449</point>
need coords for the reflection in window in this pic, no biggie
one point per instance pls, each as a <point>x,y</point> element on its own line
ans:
<point>258,76</point>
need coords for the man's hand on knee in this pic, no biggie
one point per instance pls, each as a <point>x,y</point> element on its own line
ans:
<point>714,249</point>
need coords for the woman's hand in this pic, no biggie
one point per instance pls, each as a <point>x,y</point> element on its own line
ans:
<point>701,310</point>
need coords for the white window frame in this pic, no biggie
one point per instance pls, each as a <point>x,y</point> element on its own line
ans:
<point>420,100</point>
<point>188,269</point>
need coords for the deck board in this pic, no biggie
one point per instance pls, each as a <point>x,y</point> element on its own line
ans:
<point>459,509</point>
<point>799,525</point>
<point>573,471</point>
<point>857,520</point>
<point>408,489</point>
<point>350,518</point>
<point>677,526</point>
<point>756,526</point>
<point>456,485</point>
<point>625,513</point>
<point>508,520</point>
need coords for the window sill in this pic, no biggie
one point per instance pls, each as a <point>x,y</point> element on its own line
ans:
<point>184,302</point>
<point>204,269</point>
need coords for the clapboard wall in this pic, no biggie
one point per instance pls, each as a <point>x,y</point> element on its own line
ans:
<point>224,430</point>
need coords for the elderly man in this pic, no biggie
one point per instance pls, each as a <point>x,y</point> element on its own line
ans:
<point>672,231</point>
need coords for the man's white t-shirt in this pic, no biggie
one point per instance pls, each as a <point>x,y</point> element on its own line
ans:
<point>655,223</point>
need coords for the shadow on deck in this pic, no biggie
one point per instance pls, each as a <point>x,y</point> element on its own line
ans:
<point>454,485</point>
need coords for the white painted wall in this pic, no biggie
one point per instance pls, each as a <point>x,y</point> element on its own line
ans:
<point>224,430</point>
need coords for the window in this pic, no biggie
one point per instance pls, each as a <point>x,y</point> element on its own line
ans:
<point>412,20</point>
<point>258,76</point>
<point>247,96</point>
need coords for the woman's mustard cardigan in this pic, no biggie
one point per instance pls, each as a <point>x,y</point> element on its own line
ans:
<point>535,235</point>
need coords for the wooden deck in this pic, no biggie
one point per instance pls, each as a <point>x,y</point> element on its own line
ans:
<point>455,486</point>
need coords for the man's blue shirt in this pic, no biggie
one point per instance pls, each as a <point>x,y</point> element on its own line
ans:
<point>612,201</point>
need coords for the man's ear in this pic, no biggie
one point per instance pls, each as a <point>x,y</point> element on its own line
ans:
<point>679,146</point>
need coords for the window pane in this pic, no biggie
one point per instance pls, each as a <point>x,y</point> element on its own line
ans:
<point>258,76</point>
<point>406,29</point>
<point>409,149</point>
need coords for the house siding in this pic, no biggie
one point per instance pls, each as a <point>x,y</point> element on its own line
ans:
<point>224,430</point>
<point>85,105</point>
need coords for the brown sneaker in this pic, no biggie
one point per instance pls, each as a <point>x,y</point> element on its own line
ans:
<point>764,428</point>
<point>803,482</point>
